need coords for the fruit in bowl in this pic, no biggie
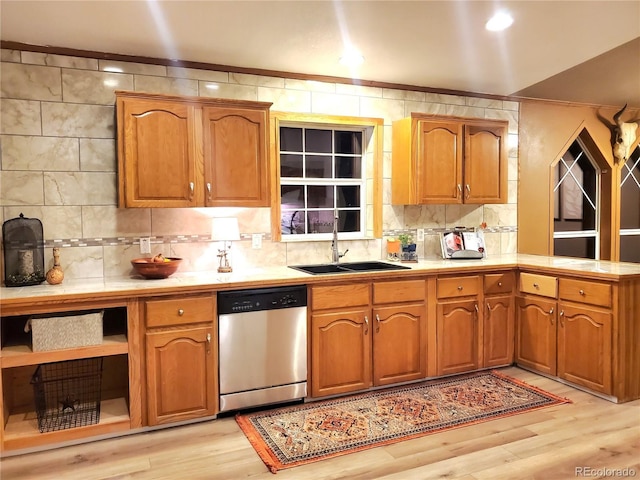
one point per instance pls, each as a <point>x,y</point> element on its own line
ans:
<point>158,266</point>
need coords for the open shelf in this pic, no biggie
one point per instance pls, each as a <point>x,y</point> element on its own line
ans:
<point>21,355</point>
<point>21,430</point>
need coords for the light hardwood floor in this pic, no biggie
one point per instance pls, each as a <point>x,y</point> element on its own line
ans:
<point>546,444</point>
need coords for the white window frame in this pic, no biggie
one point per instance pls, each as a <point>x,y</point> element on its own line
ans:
<point>361,182</point>
<point>584,233</point>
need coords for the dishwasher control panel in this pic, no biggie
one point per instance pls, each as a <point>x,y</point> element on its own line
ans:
<point>257,299</point>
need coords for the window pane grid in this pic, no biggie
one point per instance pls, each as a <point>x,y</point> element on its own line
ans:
<point>321,175</point>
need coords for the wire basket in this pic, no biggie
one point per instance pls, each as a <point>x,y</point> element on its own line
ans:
<point>67,394</point>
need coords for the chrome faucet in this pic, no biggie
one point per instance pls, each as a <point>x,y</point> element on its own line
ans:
<point>335,252</point>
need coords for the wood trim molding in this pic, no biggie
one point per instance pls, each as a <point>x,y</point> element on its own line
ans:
<point>56,50</point>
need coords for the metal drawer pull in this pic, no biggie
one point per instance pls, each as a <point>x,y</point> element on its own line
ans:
<point>581,292</point>
<point>535,285</point>
<point>499,284</point>
<point>460,287</point>
<point>180,312</point>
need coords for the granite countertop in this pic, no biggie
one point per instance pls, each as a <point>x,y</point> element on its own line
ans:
<point>268,276</point>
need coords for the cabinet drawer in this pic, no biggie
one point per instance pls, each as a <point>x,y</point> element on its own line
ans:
<point>594,293</point>
<point>458,286</point>
<point>178,311</point>
<point>402,291</point>
<point>539,284</point>
<point>499,283</point>
<point>338,296</point>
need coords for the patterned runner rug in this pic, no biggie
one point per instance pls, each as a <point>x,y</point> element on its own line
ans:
<point>291,436</point>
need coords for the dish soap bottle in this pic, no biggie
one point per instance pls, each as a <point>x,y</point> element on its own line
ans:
<point>55,275</point>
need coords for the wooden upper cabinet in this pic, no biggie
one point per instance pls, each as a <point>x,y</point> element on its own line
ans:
<point>191,151</point>
<point>439,160</point>
<point>236,149</point>
<point>157,153</point>
<point>485,163</point>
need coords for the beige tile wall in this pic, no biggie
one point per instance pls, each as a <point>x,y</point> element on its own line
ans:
<point>59,163</point>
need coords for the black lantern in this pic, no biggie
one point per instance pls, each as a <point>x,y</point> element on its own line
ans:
<point>23,242</point>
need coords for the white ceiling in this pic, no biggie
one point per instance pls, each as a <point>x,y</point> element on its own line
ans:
<point>436,44</point>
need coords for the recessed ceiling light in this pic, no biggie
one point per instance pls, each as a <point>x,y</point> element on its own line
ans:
<point>351,58</point>
<point>500,21</point>
<point>113,69</point>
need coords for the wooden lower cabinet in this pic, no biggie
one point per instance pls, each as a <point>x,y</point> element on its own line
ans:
<point>341,352</point>
<point>536,334</point>
<point>584,347</point>
<point>457,336</point>
<point>378,343</point>
<point>181,381</point>
<point>399,344</point>
<point>498,328</point>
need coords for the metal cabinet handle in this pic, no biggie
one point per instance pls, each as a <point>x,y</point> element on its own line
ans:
<point>551,311</point>
<point>180,312</point>
<point>468,190</point>
<point>366,321</point>
<point>208,342</point>
<point>209,189</point>
<point>477,309</point>
<point>459,190</point>
<point>191,187</point>
<point>561,318</point>
<point>378,320</point>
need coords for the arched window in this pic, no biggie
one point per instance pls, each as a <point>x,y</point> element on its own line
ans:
<point>576,204</point>
<point>630,208</point>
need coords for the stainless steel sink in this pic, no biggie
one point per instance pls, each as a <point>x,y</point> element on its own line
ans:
<point>348,267</point>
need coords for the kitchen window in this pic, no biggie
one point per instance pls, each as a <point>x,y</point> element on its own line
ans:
<point>327,169</point>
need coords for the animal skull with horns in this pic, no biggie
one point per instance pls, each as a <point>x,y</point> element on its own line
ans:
<point>624,136</point>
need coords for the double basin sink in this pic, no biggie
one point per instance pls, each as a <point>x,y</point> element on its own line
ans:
<point>348,267</point>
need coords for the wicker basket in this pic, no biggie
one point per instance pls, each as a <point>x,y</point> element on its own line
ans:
<point>66,331</point>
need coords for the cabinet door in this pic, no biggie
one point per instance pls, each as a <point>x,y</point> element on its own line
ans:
<point>181,380</point>
<point>584,347</point>
<point>157,153</point>
<point>485,164</point>
<point>399,344</point>
<point>439,162</point>
<point>236,154</point>
<point>536,334</point>
<point>457,336</point>
<point>340,352</point>
<point>498,327</point>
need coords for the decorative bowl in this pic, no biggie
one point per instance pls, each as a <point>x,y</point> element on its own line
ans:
<point>150,269</point>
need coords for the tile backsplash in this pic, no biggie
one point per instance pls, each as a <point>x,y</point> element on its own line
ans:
<point>58,164</point>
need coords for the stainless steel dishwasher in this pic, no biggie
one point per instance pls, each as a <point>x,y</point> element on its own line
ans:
<point>262,336</point>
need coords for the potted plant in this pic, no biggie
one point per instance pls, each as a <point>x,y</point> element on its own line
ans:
<point>408,247</point>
